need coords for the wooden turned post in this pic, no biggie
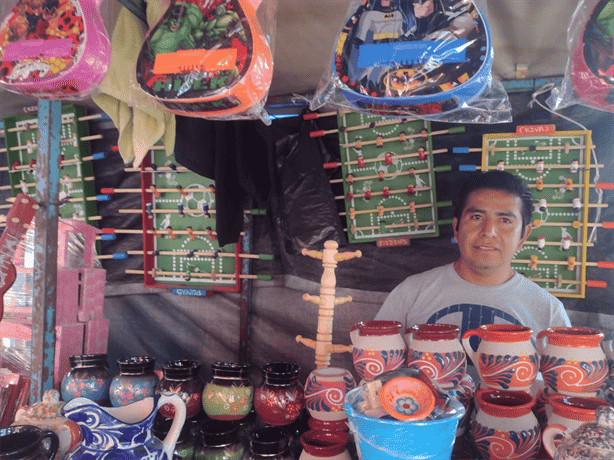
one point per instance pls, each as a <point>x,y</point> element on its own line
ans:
<point>326,301</point>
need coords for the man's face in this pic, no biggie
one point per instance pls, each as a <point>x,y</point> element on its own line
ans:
<point>489,232</point>
<point>385,3</point>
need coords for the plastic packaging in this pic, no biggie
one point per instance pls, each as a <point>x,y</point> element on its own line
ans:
<point>589,76</point>
<point>386,438</point>
<point>428,59</point>
<point>53,49</point>
<point>210,59</point>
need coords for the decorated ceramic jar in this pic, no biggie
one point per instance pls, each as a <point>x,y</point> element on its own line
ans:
<point>181,377</point>
<point>325,391</point>
<point>572,361</point>
<point>219,440</point>
<point>229,395</point>
<point>436,349</point>
<point>505,357</point>
<point>269,443</point>
<point>572,411</point>
<point>88,377</point>
<point>47,415</point>
<point>505,426</point>
<point>136,380</point>
<point>280,398</point>
<point>377,347</point>
<point>590,441</point>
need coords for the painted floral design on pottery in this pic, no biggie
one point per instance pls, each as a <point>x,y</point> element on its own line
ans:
<point>279,406</point>
<point>325,395</point>
<point>227,403</point>
<point>406,405</point>
<point>190,398</point>
<point>88,378</point>
<point>280,398</point>
<point>371,363</point>
<point>124,392</point>
<point>136,380</point>
<point>576,377</point>
<point>229,395</point>
<point>508,371</point>
<point>445,368</point>
<point>504,445</point>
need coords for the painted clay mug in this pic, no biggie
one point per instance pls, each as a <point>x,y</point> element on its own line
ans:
<point>377,347</point>
<point>572,361</point>
<point>325,391</point>
<point>505,426</point>
<point>592,440</point>
<point>436,349</point>
<point>572,411</point>
<point>505,358</point>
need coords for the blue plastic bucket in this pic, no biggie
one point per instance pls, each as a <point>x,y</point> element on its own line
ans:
<point>383,439</point>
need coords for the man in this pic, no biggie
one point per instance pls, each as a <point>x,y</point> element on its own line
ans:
<point>491,222</point>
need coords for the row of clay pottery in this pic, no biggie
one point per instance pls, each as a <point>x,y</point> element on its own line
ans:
<point>379,346</point>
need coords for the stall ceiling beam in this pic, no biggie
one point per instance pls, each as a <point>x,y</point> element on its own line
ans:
<point>45,247</point>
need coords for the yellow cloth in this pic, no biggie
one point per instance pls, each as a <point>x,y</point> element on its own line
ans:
<point>140,123</point>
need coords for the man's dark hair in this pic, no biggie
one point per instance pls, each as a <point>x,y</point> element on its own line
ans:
<point>495,180</point>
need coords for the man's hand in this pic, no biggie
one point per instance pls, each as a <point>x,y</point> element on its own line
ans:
<point>422,10</point>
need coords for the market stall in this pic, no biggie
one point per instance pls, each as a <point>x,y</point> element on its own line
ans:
<point>205,236</point>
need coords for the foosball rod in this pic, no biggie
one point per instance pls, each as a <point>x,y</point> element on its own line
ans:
<point>382,175</point>
<point>410,190</point>
<point>599,264</point>
<point>63,141</point>
<point>358,144</point>
<point>125,255</point>
<point>32,165</point>
<point>555,243</point>
<point>567,147</point>
<point>267,257</point>
<point>468,167</point>
<point>346,129</point>
<point>255,212</point>
<point>34,125</point>
<point>315,115</point>
<point>420,154</point>
<point>575,224</point>
<point>560,282</point>
<point>109,234</point>
<point>156,191</point>
<point>62,181</point>
<point>262,277</point>
<point>416,224</point>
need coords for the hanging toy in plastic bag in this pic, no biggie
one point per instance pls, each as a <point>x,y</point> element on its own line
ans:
<point>592,62</point>
<point>207,58</point>
<point>54,49</point>
<point>420,57</point>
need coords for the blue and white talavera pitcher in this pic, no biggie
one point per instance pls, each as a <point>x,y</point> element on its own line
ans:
<point>124,433</point>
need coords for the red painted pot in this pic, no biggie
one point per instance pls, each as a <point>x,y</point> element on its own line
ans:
<point>280,398</point>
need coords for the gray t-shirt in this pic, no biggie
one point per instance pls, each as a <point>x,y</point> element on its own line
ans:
<point>440,295</point>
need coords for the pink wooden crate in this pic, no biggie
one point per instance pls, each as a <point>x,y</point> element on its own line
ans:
<point>69,342</point>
